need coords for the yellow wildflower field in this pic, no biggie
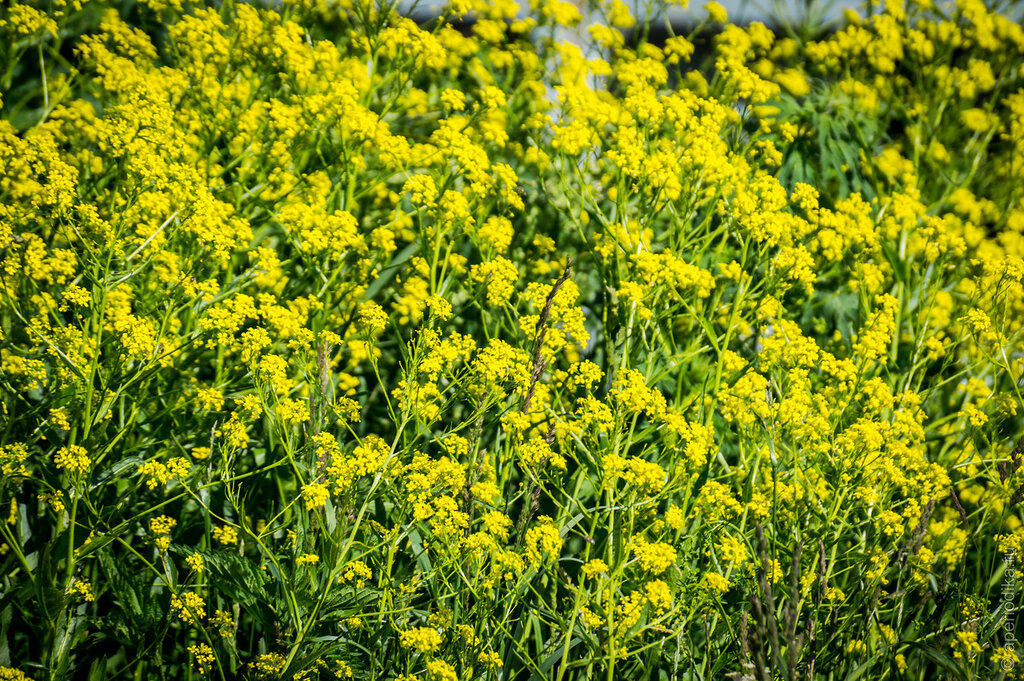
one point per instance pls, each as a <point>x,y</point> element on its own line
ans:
<point>543,342</point>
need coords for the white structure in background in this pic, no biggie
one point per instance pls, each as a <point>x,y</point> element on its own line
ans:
<point>742,11</point>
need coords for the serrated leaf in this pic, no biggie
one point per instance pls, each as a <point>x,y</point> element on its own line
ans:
<point>241,581</point>
<point>121,585</point>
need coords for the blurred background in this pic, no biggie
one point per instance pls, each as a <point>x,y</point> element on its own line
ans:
<point>771,12</point>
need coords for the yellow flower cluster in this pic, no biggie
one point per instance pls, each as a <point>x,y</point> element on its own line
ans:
<point>189,608</point>
<point>74,459</point>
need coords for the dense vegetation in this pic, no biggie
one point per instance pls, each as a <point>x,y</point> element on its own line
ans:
<point>335,345</point>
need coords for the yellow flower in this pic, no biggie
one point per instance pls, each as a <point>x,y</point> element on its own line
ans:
<point>595,567</point>
<point>12,459</point>
<point>422,639</point>
<point>630,389</point>
<point>59,419</point>
<point>356,572</point>
<point>372,317</point>
<point>25,20</point>
<point>1004,657</point>
<point>794,81</point>
<point>543,541</point>
<point>715,583</point>
<point>675,518</point>
<point>200,453</point>
<point>653,557</point>
<point>225,534</point>
<point>83,589</point>
<point>716,12</point>
<point>500,276</point>
<point>646,477</point>
<point>619,15</point>
<point>162,524</point>
<point>316,495</point>
<point>658,596</point>
<point>73,458</point>
<point>561,13</point>
<point>732,549</point>
<point>536,453</point>
<point>204,657</point>
<point>439,670</point>
<point>453,99</point>
<point>269,665</point>
<point>440,308</point>
<point>188,608</point>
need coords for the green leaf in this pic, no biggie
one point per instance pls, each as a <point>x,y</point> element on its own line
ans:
<point>122,586</point>
<point>945,661</point>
